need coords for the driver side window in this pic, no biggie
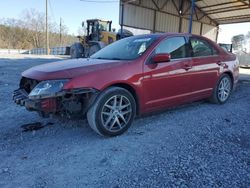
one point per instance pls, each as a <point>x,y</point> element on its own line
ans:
<point>175,46</point>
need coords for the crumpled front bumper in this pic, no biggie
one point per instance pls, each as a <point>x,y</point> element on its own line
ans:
<point>20,97</point>
<point>71,101</point>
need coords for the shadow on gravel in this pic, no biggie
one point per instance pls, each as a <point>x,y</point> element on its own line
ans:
<point>175,109</point>
<point>244,67</point>
<point>244,81</point>
<point>242,84</point>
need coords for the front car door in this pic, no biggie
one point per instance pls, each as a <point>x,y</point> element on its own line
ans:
<point>167,84</point>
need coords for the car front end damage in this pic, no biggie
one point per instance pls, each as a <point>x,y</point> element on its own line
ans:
<point>49,97</point>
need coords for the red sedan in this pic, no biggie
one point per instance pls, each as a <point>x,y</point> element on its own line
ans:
<point>130,77</point>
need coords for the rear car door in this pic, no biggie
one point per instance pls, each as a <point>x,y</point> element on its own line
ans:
<point>167,83</point>
<point>206,63</point>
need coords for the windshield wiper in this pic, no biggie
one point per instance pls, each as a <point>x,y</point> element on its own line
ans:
<point>114,58</point>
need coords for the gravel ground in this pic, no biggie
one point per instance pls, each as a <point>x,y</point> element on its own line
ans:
<point>196,145</point>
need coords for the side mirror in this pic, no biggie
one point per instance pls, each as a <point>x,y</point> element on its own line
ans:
<point>161,58</point>
<point>82,24</point>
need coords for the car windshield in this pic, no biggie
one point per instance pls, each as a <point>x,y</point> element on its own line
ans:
<point>126,49</point>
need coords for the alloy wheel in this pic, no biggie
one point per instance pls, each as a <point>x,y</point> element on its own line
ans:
<point>116,113</point>
<point>224,89</point>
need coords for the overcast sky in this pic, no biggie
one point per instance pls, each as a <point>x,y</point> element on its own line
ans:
<point>73,12</point>
<point>227,31</point>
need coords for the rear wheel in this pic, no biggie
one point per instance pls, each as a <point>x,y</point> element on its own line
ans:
<point>223,90</point>
<point>113,112</point>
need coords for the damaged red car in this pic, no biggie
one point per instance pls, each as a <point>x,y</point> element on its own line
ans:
<point>133,76</point>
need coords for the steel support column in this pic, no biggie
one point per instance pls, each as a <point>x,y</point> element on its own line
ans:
<point>217,33</point>
<point>122,18</point>
<point>180,12</point>
<point>191,17</point>
<point>154,24</point>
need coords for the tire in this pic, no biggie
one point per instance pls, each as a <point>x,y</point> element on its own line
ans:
<point>221,93</point>
<point>76,51</point>
<point>108,118</point>
<point>93,49</point>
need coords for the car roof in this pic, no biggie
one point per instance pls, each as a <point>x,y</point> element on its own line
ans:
<point>164,35</point>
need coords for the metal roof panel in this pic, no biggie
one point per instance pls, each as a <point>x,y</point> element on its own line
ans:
<point>226,11</point>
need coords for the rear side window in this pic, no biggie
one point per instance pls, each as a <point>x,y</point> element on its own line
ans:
<point>175,46</point>
<point>201,48</point>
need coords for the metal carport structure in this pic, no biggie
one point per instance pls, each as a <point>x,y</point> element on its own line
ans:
<point>195,16</point>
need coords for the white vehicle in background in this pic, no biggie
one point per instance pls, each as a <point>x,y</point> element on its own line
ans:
<point>244,58</point>
<point>242,55</point>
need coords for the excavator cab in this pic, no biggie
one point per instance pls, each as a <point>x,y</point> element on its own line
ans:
<point>95,27</point>
<point>97,30</point>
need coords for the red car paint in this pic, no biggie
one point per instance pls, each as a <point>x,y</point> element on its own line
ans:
<point>157,86</point>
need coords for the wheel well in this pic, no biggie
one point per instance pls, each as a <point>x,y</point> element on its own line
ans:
<point>230,75</point>
<point>132,91</point>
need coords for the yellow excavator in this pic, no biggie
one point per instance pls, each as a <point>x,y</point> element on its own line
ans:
<point>99,34</point>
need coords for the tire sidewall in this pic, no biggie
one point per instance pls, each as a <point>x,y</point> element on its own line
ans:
<point>102,100</point>
<point>76,51</point>
<point>217,88</point>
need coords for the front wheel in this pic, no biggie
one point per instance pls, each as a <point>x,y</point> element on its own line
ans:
<point>223,90</point>
<point>76,51</point>
<point>113,112</point>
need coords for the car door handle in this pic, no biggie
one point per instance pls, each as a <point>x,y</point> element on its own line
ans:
<point>187,67</point>
<point>219,63</point>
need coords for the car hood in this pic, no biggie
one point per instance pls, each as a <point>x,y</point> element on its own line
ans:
<point>69,68</point>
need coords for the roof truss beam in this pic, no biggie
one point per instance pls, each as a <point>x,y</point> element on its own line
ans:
<point>204,13</point>
<point>244,2</point>
<point>233,9</point>
<point>226,8</point>
<point>234,17</point>
<point>221,4</point>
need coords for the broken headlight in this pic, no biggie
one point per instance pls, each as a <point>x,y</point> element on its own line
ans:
<point>48,88</point>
